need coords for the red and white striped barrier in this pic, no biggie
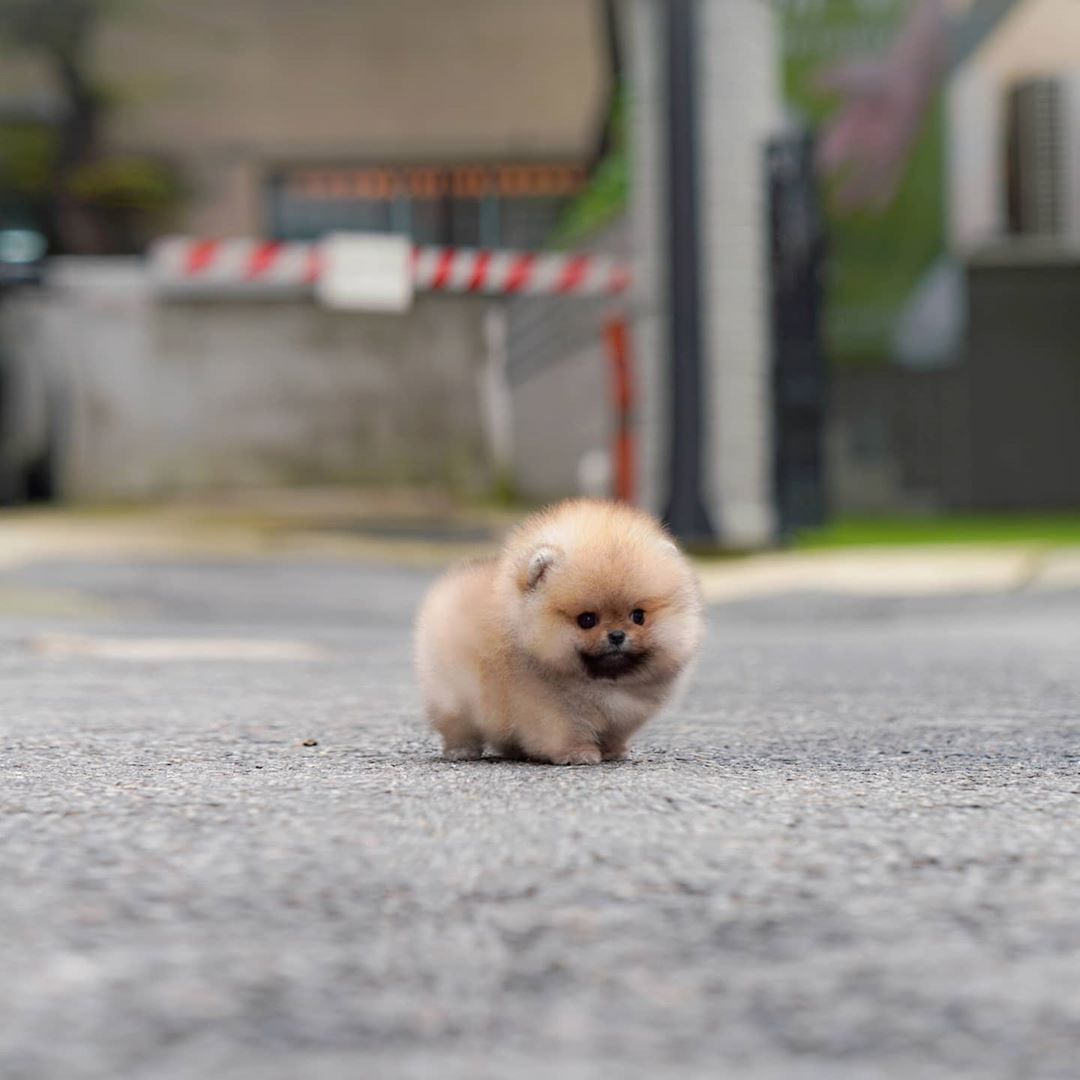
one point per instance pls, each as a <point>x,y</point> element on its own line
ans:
<point>179,262</point>
<point>507,273</point>
<point>208,267</point>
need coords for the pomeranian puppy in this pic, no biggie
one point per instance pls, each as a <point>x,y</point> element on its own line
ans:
<point>560,648</point>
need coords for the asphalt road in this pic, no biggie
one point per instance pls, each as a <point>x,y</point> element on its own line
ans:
<point>853,852</point>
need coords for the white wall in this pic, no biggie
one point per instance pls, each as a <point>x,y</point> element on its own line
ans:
<point>975,159</point>
<point>1038,38</point>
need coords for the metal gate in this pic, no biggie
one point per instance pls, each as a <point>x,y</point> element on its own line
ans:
<point>800,373</point>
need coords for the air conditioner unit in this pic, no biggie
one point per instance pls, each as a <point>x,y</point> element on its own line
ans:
<point>1042,177</point>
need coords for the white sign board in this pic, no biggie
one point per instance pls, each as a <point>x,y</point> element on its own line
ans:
<point>365,272</point>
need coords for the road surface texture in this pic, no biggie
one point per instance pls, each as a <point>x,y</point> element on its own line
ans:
<point>852,852</point>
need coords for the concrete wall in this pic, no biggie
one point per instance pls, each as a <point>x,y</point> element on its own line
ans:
<point>177,396</point>
<point>563,428</point>
<point>558,372</point>
<point>560,397</point>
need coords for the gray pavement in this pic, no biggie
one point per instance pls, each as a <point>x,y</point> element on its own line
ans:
<point>852,852</point>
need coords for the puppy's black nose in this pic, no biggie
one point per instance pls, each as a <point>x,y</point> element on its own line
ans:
<point>617,637</point>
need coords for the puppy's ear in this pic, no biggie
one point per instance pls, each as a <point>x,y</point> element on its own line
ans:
<point>669,545</point>
<point>540,562</point>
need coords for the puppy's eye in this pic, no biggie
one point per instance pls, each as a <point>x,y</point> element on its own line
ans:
<point>638,616</point>
<point>586,620</point>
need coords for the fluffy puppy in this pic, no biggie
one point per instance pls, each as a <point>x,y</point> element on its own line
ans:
<point>560,648</point>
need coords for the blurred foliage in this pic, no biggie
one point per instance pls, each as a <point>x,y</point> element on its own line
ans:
<point>127,183</point>
<point>132,183</point>
<point>877,259</point>
<point>608,190</point>
<point>1019,528</point>
<point>55,26</point>
<point>89,199</point>
<point>27,156</point>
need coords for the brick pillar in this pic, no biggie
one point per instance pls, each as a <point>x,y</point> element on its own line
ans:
<point>739,108</point>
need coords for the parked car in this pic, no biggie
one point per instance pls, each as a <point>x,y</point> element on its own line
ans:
<point>29,416</point>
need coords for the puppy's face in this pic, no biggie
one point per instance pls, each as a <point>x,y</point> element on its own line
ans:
<point>609,613</point>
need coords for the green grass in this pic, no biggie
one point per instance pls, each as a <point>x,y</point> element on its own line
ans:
<point>1053,529</point>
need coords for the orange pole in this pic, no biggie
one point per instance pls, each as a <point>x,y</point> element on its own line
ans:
<point>617,334</point>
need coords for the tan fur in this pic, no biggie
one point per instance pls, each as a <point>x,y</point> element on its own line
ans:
<point>499,649</point>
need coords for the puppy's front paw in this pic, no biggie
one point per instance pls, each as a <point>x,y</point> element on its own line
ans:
<point>462,753</point>
<point>581,755</point>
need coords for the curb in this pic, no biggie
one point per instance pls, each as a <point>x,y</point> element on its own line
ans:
<point>192,533</point>
<point>894,572</point>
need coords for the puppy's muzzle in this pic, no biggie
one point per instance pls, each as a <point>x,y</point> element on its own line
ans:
<point>612,663</point>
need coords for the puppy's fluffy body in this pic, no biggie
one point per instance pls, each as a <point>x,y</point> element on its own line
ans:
<point>560,648</point>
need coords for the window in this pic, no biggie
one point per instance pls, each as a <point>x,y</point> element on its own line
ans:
<point>504,205</point>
